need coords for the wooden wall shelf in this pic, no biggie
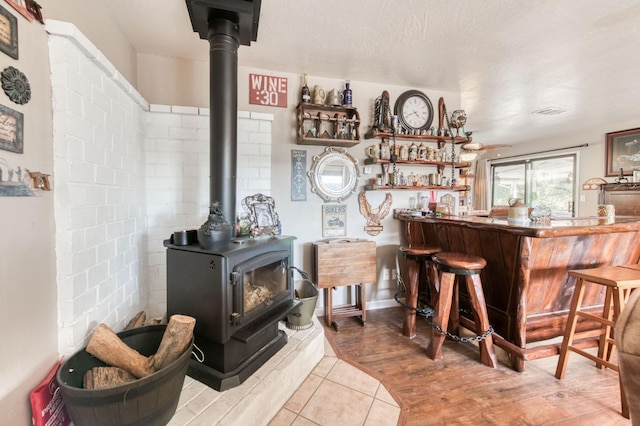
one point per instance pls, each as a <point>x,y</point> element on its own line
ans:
<point>429,138</point>
<point>325,125</point>
<point>369,187</point>
<point>459,165</point>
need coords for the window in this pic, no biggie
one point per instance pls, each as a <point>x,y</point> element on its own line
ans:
<point>548,181</point>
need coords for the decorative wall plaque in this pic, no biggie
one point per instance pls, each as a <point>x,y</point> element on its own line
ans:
<point>21,7</point>
<point>268,90</point>
<point>15,85</point>
<point>298,175</point>
<point>8,33</point>
<point>11,129</point>
<point>374,216</point>
<point>334,220</point>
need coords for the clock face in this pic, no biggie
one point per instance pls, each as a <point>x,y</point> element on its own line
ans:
<point>414,110</point>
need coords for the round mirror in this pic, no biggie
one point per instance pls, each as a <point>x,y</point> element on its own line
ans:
<point>334,175</point>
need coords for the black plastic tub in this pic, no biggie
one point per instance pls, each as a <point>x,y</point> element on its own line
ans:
<point>151,400</point>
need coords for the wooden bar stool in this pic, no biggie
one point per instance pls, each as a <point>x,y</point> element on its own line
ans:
<point>415,258</point>
<point>619,281</point>
<point>468,266</point>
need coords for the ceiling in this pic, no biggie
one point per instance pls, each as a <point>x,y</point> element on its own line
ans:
<point>507,58</point>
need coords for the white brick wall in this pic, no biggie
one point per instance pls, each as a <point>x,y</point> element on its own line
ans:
<point>126,175</point>
<point>177,166</point>
<point>99,194</point>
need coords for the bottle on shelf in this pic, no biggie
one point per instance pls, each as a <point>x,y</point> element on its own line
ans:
<point>347,98</point>
<point>305,92</point>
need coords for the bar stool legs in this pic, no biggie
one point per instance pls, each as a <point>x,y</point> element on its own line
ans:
<point>441,315</point>
<point>415,258</point>
<point>618,281</point>
<point>451,265</point>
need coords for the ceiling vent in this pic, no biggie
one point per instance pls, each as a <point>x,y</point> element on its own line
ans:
<point>549,111</point>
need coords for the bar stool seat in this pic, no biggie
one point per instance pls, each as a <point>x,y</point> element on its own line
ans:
<point>619,281</point>
<point>416,257</point>
<point>451,265</point>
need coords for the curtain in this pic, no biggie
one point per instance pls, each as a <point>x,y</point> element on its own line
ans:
<point>481,186</point>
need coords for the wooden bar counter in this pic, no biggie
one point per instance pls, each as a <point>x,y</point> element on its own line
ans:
<point>526,285</point>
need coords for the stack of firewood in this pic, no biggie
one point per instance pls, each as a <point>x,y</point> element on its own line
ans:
<point>126,364</point>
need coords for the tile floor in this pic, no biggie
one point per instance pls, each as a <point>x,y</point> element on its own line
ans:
<point>303,384</point>
<point>336,393</point>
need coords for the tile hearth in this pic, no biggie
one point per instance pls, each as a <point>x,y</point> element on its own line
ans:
<point>304,383</point>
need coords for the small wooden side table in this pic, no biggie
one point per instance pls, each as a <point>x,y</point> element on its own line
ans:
<point>344,262</point>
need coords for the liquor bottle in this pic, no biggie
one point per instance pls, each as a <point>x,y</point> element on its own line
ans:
<point>347,99</point>
<point>306,93</point>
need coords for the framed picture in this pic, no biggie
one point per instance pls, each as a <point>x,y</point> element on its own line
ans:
<point>263,218</point>
<point>21,7</point>
<point>623,152</point>
<point>334,220</point>
<point>11,130</point>
<point>8,33</point>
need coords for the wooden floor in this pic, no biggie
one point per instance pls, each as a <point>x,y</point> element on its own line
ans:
<point>460,390</point>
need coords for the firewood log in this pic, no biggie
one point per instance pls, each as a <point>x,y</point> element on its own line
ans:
<point>175,340</point>
<point>106,377</point>
<point>137,321</point>
<point>108,348</point>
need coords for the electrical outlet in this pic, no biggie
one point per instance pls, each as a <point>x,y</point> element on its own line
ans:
<point>385,274</point>
<point>394,274</point>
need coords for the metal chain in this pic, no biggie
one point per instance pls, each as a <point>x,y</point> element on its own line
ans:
<point>453,146</point>
<point>394,156</point>
<point>428,314</point>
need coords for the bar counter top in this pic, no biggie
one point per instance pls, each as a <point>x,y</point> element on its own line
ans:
<point>555,228</point>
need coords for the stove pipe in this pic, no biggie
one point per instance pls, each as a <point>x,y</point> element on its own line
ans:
<point>223,39</point>
<point>225,24</point>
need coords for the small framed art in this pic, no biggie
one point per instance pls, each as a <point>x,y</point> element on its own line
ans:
<point>11,130</point>
<point>8,33</point>
<point>622,152</point>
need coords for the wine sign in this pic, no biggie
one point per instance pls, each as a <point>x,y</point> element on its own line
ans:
<point>268,90</point>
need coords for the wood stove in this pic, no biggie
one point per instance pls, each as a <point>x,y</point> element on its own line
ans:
<point>238,294</point>
<point>237,289</point>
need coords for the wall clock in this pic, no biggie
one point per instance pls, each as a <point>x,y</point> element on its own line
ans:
<point>414,111</point>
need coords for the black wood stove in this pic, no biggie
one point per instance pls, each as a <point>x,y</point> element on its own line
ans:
<point>237,289</point>
<point>237,294</point>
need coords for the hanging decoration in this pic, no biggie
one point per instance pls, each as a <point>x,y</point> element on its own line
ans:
<point>15,85</point>
<point>458,120</point>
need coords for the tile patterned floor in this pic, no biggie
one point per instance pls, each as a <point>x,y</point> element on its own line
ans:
<point>303,384</point>
<point>336,393</point>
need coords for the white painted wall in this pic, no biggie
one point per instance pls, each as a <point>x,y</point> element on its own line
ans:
<point>95,22</point>
<point>27,243</point>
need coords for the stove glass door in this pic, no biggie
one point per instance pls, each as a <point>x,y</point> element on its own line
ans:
<point>264,280</point>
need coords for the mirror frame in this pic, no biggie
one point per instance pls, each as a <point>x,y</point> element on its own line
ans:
<point>321,161</point>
